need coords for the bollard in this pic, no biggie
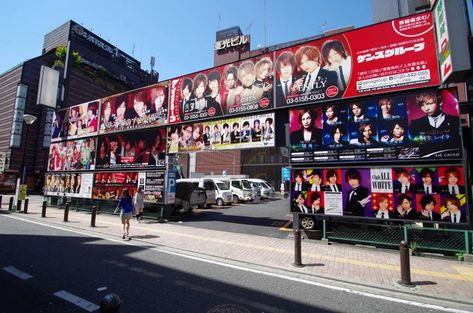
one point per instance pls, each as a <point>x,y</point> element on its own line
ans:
<point>43,210</point>
<point>405,265</point>
<point>18,205</point>
<point>161,217</point>
<point>1,198</point>
<point>110,304</point>
<point>66,212</point>
<point>25,209</point>
<point>297,249</point>
<point>94,215</point>
<point>10,205</point>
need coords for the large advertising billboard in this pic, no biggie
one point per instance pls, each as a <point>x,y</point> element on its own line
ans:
<point>153,185</point>
<point>109,185</point>
<point>72,155</point>
<point>78,185</point>
<point>236,88</point>
<point>133,110</point>
<point>421,193</point>
<point>423,125</point>
<point>385,57</point>
<point>232,133</point>
<point>145,148</point>
<point>75,122</point>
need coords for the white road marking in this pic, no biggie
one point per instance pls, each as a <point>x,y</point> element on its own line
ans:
<point>82,303</point>
<point>14,271</point>
<point>304,281</point>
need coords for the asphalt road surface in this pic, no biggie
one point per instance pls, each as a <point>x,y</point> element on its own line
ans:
<point>39,261</point>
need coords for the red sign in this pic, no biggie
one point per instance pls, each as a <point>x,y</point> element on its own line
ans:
<point>385,57</point>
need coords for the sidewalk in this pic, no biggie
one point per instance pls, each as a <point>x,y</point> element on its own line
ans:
<point>373,269</point>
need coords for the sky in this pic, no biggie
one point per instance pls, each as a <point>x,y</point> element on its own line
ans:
<point>180,34</point>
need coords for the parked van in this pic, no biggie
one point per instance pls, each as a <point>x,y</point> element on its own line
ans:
<point>241,189</point>
<point>266,190</point>
<point>223,193</point>
<point>205,183</point>
<point>189,196</point>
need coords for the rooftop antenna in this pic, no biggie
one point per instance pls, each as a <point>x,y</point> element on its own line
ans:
<point>152,62</point>
<point>324,26</point>
<point>264,11</point>
<point>248,28</point>
<point>218,22</point>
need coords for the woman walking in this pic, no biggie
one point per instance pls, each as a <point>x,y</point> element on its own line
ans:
<point>126,212</point>
<point>139,204</point>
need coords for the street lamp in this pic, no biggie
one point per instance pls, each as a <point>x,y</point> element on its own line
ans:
<point>29,119</point>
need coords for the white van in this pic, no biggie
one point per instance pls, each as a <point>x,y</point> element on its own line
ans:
<point>207,184</point>
<point>241,189</point>
<point>266,190</point>
<point>223,193</point>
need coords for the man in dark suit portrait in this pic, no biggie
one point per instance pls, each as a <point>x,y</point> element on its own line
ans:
<point>405,209</point>
<point>358,196</point>
<point>285,68</point>
<point>331,181</point>
<point>452,175</point>
<point>299,183</point>
<point>403,184</point>
<point>435,122</point>
<point>307,133</point>
<point>299,203</point>
<point>428,203</point>
<point>427,186</point>
<point>453,213</point>
<point>313,79</point>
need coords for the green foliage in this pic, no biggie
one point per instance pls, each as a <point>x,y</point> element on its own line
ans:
<point>61,53</point>
<point>413,247</point>
<point>460,256</point>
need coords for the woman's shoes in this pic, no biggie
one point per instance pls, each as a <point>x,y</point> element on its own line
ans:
<point>124,235</point>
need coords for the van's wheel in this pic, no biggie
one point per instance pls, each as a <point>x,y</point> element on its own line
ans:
<point>220,202</point>
<point>235,199</point>
<point>308,223</point>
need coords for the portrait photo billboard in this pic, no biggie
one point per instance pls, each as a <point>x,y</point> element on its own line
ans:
<point>72,155</point>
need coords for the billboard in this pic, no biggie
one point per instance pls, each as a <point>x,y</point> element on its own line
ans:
<point>359,62</point>
<point>72,155</point>
<point>153,185</point>
<point>140,108</point>
<point>145,148</point>
<point>423,125</point>
<point>75,122</point>
<point>77,185</point>
<point>422,193</point>
<point>109,185</point>
<point>231,133</point>
<point>236,88</point>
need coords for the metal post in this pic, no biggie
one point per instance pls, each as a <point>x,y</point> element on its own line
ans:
<point>43,210</point>
<point>406,236</point>
<point>297,249</point>
<point>66,212</point>
<point>161,217</point>
<point>94,215</point>
<point>25,209</point>
<point>467,242</point>
<point>18,205</point>
<point>405,265</point>
<point>10,204</point>
<point>324,230</point>
<point>1,198</point>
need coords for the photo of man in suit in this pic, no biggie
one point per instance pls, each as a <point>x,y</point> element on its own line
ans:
<point>435,122</point>
<point>427,187</point>
<point>405,209</point>
<point>307,133</point>
<point>453,175</point>
<point>331,183</point>
<point>299,203</point>
<point>299,183</point>
<point>428,203</point>
<point>285,68</point>
<point>313,79</point>
<point>358,196</point>
<point>453,213</point>
<point>403,183</point>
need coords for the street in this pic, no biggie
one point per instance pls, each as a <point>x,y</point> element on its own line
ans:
<point>149,279</point>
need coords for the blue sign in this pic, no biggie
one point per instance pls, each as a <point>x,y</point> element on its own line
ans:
<point>286,173</point>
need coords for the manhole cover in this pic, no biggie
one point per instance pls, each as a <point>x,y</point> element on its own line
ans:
<point>228,308</point>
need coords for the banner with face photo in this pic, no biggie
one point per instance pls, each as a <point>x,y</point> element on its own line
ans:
<point>110,185</point>
<point>77,185</point>
<point>140,108</point>
<point>83,120</point>
<point>347,65</point>
<point>232,133</point>
<point>153,185</point>
<point>145,148</point>
<point>72,155</point>
<point>412,126</point>
<point>60,125</point>
<point>418,194</point>
<point>237,88</point>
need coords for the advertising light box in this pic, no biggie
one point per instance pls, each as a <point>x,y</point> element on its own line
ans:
<point>109,185</point>
<point>75,122</point>
<point>78,185</point>
<point>394,55</point>
<point>72,155</point>
<point>137,109</point>
<point>415,126</point>
<point>237,88</point>
<point>232,133</point>
<point>145,148</point>
<point>417,194</point>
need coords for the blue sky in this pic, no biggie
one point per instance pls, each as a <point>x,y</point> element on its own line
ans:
<point>180,34</point>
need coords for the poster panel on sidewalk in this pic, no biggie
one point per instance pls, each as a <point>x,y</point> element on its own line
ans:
<point>153,186</point>
<point>137,109</point>
<point>418,194</point>
<point>109,185</point>
<point>237,88</point>
<point>145,148</point>
<point>231,133</point>
<point>72,155</point>
<point>77,185</point>
<point>347,65</point>
<point>415,126</point>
